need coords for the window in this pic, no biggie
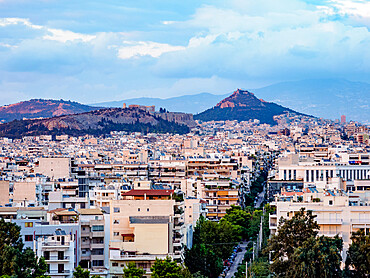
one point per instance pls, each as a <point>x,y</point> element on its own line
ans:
<point>116,221</point>
<point>47,255</point>
<point>147,209</point>
<point>114,264</point>
<point>138,209</point>
<point>28,224</point>
<point>115,233</point>
<point>98,228</point>
<point>98,251</point>
<point>98,263</point>
<point>28,238</point>
<point>98,240</point>
<point>330,202</point>
<point>60,268</point>
<point>116,210</point>
<point>60,255</point>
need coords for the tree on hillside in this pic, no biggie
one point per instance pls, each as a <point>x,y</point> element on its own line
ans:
<point>14,260</point>
<point>358,255</point>
<point>166,268</point>
<point>131,271</point>
<point>291,234</point>
<point>317,257</point>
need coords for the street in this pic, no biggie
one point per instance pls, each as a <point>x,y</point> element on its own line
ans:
<point>238,259</point>
<point>261,197</point>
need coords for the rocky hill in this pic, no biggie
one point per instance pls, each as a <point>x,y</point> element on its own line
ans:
<point>243,106</point>
<point>41,108</point>
<point>100,122</point>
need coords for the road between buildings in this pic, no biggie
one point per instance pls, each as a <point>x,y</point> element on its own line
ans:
<point>238,260</point>
<point>261,197</point>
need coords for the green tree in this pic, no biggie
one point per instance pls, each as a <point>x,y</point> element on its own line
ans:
<point>203,261</point>
<point>240,219</point>
<point>358,255</point>
<point>131,271</point>
<point>317,257</point>
<point>14,260</point>
<point>166,268</point>
<point>291,234</point>
<point>212,243</point>
<point>81,273</point>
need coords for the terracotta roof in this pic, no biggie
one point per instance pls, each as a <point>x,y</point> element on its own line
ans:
<point>148,192</point>
<point>291,193</point>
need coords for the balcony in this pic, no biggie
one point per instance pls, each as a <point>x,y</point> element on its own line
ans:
<point>56,244</point>
<point>56,259</point>
<point>97,245</point>
<point>148,257</point>
<point>324,221</point>
<point>56,272</point>
<point>360,221</point>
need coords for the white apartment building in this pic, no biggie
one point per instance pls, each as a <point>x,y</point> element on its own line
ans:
<point>337,212</point>
<point>293,167</point>
<point>59,253</point>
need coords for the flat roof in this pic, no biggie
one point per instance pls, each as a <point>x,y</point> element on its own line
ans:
<point>148,192</point>
<point>149,219</point>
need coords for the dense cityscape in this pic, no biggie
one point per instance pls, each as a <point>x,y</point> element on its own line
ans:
<point>184,139</point>
<point>207,203</point>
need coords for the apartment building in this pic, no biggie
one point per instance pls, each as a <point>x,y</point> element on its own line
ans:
<point>54,167</point>
<point>94,240</point>
<point>59,252</point>
<point>145,225</point>
<point>220,194</point>
<point>293,167</point>
<point>337,211</point>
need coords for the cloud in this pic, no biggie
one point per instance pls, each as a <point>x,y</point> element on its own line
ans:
<point>95,51</point>
<point>65,35</point>
<point>14,21</point>
<point>359,8</point>
<point>142,48</point>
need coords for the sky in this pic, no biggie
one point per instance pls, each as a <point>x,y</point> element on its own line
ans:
<point>94,51</point>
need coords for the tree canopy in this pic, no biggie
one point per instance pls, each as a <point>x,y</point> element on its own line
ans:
<point>317,257</point>
<point>358,255</point>
<point>166,268</point>
<point>291,234</point>
<point>131,271</point>
<point>14,260</point>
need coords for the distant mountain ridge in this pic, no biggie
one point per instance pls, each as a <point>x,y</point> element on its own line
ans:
<point>187,103</point>
<point>242,105</point>
<point>326,98</point>
<point>41,108</point>
<point>101,122</point>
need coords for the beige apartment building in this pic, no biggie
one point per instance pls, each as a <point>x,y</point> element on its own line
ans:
<point>4,196</point>
<point>54,167</point>
<point>145,225</point>
<point>337,212</point>
<point>24,194</point>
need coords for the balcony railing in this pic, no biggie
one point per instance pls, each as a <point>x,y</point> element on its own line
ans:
<point>324,221</point>
<point>57,258</point>
<point>56,243</point>
<point>58,272</point>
